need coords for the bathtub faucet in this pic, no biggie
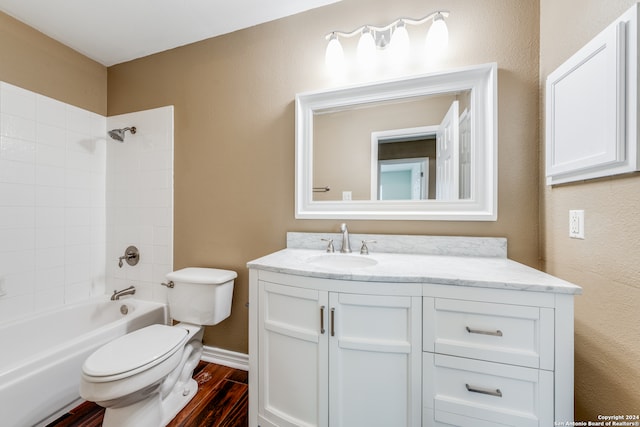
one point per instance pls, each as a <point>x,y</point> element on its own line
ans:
<point>117,294</point>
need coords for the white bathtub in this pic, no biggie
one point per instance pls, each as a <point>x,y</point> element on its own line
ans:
<point>41,356</point>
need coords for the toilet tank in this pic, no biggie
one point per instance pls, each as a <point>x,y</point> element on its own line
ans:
<point>201,296</point>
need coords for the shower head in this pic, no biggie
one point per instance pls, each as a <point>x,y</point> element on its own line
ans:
<point>118,134</point>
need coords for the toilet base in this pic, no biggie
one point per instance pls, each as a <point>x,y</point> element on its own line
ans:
<point>152,411</point>
<point>177,400</point>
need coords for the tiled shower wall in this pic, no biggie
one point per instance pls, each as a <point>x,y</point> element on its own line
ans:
<point>54,173</point>
<point>140,202</point>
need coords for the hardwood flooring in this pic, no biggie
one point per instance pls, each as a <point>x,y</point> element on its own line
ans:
<point>222,400</point>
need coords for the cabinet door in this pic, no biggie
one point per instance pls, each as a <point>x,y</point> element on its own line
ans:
<point>293,362</point>
<point>374,360</point>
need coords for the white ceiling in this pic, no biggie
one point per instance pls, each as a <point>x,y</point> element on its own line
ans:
<point>115,31</point>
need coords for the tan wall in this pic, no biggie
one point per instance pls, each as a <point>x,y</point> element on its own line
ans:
<point>606,264</point>
<point>33,61</point>
<point>234,130</point>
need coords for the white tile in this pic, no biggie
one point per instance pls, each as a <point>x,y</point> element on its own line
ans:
<point>162,236</point>
<point>18,102</point>
<point>50,237</point>
<point>17,216</point>
<point>50,155</point>
<point>50,217</point>
<point>49,299</point>
<point>50,278</point>
<point>76,273</point>
<point>16,194</point>
<point>81,216</point>
<point>48,134</point>
<point>17,239</point>
<point>79,120</point>
<point>155,160</point>
<point>50,176</point>
<point>17,172</point>
<point>47,258</point>
<point>155,179</point>
<point>76,178</point>
<point>77,197</point>
<point>17,127</point>
<point>161,255</point>
<point>50,111</point>
<point>17,262</point>
<point>79,159</point>
<point>17,150</point>
<point>160,273</point>
<point>51,197</point>
<point>19,283</point>
<point>77,291</point>
<point>74,235</point>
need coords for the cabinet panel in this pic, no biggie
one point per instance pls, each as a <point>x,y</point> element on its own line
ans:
<point>461,392</point>
<point>591,129</point>
<point>504,333</point>
<point>374,361</point>
<point>293,356</point>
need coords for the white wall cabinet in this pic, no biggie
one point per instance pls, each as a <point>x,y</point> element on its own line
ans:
<point>327,352</point>
<point>330,358</point>
<point>592,107</point>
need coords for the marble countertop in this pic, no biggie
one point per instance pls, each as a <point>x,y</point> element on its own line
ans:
<point>478,271</point>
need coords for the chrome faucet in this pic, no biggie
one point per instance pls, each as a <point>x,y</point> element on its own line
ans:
<point>117,294</point>
<point>346,247</point>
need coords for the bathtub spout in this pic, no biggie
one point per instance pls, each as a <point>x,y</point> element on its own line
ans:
<point>128,291</point>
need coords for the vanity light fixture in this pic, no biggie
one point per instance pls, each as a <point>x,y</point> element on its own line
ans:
<point>393,36</point>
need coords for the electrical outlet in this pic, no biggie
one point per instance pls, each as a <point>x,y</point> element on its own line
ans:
<point>576,224</point>
<point>346,195</point>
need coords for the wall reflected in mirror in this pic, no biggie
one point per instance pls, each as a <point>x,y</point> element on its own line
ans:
<point>412,148</point>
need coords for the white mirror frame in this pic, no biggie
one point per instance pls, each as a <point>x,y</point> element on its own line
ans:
<point>482,206</point>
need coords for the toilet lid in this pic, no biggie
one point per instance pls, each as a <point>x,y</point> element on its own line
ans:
<point>136,351</point>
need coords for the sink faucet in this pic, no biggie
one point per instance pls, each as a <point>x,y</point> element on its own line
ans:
<point>117,294</point>
<point>346,248</point>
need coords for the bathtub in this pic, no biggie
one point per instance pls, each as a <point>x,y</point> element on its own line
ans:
<point>41,356</point>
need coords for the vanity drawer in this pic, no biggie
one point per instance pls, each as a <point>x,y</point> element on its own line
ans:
<point>505,333</point>
<point>473,393</point>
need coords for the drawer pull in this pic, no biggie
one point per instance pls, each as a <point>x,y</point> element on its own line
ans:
<point>322,320</point>
<point>481,390</point>
<point>497,333</point>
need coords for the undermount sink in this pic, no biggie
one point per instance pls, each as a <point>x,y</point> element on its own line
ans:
<point>342,261</point>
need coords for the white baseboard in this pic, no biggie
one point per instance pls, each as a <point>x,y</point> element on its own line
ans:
<point>224,357</point>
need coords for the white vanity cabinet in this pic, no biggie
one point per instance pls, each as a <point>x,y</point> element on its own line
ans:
<point>336,353</point>
<point>489,363</point>
<point>408,340</point>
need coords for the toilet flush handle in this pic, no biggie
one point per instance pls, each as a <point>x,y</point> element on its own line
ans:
<point>168,285</point>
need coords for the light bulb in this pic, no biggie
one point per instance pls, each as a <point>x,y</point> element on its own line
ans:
<point>366,52</point>
<point>334,56</point>
<point>437,36</point>
<point>400,44</point>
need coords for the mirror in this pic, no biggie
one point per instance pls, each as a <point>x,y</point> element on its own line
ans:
<point>414,148</point>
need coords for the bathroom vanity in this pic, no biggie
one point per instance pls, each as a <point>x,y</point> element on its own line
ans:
<point>423,331</point>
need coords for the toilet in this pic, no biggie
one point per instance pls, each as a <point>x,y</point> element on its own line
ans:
<point>144,378</point>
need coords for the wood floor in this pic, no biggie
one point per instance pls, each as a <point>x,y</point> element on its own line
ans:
<point>222,400</point>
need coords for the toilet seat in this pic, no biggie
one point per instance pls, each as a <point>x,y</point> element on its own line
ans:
<point>133,353</point>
